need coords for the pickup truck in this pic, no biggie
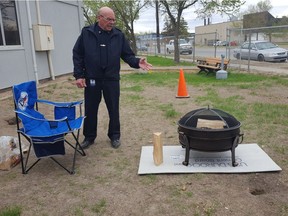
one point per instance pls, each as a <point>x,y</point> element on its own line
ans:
<point>184,47</point>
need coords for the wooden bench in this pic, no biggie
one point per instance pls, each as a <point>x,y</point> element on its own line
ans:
<point>211,65</point>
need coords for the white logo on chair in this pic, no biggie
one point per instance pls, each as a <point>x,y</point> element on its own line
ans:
<point>23,101</point>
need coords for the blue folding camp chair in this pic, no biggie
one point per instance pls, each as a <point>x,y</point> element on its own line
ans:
<point>47,137</point>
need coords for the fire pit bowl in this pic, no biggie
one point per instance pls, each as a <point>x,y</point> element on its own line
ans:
<point>208,129</point>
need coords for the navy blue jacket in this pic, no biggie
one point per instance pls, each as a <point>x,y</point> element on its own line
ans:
<point>86,55</point>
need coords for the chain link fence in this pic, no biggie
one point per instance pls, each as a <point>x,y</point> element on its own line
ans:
<point>225,42</point>
<point>164,46</point>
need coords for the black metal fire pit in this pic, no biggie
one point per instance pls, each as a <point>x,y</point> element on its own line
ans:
<point>209,129</point>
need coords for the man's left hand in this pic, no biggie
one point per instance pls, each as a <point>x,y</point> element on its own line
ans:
<point>143,64</point>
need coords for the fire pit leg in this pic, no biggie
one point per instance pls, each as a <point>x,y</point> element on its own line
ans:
<point>187,153</point>
<point>235,143</point>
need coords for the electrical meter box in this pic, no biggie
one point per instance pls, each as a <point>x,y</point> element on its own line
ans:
<point>43,37</point>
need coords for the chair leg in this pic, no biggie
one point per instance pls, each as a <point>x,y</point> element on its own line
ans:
<point>25,167</point>
<point>80,150</point>
<point>21,153</point>
<point>26,171</point>
<point>72,171</point>
<point>24,162</point>
<point>77,149</point>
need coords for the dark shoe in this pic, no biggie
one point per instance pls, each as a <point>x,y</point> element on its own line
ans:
<point>115,143</point>
<point>86,143</point>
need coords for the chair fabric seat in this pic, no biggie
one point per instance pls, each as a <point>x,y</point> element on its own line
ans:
<point>45,130</point>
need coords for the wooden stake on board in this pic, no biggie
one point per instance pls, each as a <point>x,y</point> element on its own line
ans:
<point>158,148</point>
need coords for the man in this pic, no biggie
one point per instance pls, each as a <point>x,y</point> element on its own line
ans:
<point>96,58</point>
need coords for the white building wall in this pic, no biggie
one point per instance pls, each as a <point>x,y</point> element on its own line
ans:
<point>16,62</point>
<point>217,31</point>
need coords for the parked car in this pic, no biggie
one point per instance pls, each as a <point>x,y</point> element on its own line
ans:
<point>221,43</point>
<point>184,47</point>
<point>261,51</point>
<point>233,43</point>
<point>142,48</point>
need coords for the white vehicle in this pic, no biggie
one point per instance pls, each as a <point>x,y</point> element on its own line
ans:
<point>184,47</point>
<point>261,51</point>
<point>221,43</point>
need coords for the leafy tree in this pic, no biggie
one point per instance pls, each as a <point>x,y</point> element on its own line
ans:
<point>175,8</point>
<point>126,13</point>
<point>224,7</point>
<point>168,29</point>
<point>90,8</point>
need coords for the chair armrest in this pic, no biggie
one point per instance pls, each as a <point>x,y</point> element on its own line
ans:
<point>61,104</point>
<point>39,119</point>
<point>35,126</point>
<point>64,109</point>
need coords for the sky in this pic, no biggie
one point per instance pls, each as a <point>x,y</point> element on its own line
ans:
<point>146,22</point>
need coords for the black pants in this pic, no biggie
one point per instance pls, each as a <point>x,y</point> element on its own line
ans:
<point>93,95</point>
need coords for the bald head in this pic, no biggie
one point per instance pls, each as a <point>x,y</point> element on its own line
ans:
<point>105,11</point>
<point>106,18</point>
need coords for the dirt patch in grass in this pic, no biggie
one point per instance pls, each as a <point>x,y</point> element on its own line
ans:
<point>106,180</point>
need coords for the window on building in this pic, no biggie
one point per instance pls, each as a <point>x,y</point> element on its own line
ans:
<point>9,31</point>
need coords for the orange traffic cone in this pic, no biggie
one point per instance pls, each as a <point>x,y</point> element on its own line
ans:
<point>182,90</point>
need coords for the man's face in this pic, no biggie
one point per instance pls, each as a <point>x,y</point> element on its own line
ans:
<point>106,21</point>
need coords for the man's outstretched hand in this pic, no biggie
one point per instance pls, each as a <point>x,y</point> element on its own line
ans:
<point>143,64</point>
